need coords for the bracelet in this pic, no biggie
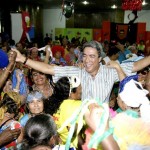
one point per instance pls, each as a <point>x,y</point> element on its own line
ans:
<point>25,60</point>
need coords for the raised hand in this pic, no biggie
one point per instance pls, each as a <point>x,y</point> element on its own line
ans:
<point>19,57</point>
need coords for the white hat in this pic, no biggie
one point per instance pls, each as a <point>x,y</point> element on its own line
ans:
<point>134,94</point>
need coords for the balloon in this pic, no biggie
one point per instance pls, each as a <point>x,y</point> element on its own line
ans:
<point>68,9</point>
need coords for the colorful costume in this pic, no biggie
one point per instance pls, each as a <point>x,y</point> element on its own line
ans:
<point>12,125</point>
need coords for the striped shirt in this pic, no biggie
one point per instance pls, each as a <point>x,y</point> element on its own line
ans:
<point>98,88</point>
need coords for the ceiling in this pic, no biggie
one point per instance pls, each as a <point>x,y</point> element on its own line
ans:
<point>93,6</point>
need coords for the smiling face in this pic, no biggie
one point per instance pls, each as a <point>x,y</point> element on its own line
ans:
<point>91,60</point>
<point>34,53</point>
<point>36,106</point>
<point>38,78</point>
<point>8,86</point>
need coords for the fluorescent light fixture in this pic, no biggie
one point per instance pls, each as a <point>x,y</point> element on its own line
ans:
<point>85,2</point>
<point>114,6</point>
<point>144,3</point>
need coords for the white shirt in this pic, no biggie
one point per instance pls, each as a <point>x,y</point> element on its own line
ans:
<point>98,88</point>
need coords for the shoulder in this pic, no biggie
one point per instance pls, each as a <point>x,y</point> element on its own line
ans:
<point>24,119</point>
<point>73,104</point>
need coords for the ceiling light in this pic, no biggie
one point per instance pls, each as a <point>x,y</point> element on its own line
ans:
<point>114,6</point>
<point>144,3</point>
<point>85,2</point>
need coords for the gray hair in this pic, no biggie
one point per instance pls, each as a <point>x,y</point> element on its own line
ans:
<point>34,95</point>
<point>93,44</point>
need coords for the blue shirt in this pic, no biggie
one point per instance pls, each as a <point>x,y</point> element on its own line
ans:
<point>122,55</point>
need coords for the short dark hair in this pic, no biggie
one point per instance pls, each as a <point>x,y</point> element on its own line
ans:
<point>38,131</point>
<point>93,44</point>
<point>113,50</point>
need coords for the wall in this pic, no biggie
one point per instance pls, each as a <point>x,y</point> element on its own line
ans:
<point>143,16</point>
<point>53,18</point>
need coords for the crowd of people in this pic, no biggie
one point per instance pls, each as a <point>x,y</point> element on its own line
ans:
<point>73,95</point>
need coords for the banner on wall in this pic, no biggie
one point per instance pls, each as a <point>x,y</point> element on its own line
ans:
<point>23,29</point>
<point>122,31</point>
<point>16,17</point>
<point>26,25</point>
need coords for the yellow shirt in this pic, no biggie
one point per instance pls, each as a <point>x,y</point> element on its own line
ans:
<point>66,110</point>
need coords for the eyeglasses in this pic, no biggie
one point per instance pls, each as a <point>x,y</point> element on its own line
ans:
<point>143,72</point>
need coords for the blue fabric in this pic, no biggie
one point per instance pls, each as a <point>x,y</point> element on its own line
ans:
<point>24,120</point>
<point>125,80</point>
<point>37,95</point>
<point>23,84</point>
<point>122,55</point>
<point>3,59</point>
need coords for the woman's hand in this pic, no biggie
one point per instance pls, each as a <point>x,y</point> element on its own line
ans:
<point>19,57</point>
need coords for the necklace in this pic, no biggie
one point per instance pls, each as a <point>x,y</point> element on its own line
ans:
<point>46,91</point>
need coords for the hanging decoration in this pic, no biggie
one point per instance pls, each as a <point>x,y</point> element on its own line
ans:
<point>26,25</point>
<point>135,5</point>
<point>67,8</point>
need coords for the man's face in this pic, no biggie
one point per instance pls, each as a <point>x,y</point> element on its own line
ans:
<point>34,53</point>
<point>91,60</point>
<point>58,55</point>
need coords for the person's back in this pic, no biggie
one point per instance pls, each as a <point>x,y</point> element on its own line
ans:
<point>69,98</point>
<point>123,52</point>
<point>113,54</point>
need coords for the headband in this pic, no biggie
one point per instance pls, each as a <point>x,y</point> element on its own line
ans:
<point>34,96</point>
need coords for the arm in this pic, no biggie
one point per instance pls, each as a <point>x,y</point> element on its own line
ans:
<point>138,65</point>
<point>40,66</point>
<point>114,64</point>
<point>91,118</point>
<point>148,82</point>
<point>47,57</point>
<point>109,144</point>
<point>8,69</point>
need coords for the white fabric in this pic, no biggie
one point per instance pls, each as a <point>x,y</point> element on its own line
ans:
<point>133,96</point>
<point>107,59</point>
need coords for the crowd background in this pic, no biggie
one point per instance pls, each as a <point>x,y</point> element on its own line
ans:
<point>26,92</point>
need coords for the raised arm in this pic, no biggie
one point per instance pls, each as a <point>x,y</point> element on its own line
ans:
<point>138,65</point>
<point>115,65</point>
<point>37,65</point>
<point>148,83</point>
